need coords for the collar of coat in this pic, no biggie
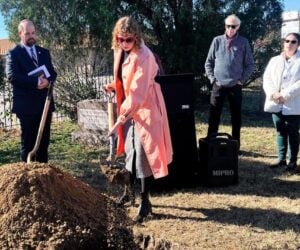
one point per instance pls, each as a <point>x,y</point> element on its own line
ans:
<point>293,58</point>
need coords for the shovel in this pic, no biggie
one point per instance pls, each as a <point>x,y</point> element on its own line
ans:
<point>113,169</point>
<point>42,124</point>
<point>110,160</point>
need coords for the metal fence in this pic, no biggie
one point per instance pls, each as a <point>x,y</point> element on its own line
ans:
<point>73,85</point>
<point>7,119</point>
<point>91,80</point>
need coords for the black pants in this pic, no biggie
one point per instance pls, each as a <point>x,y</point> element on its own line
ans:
<point>217,98</point>
<point>29,129</point>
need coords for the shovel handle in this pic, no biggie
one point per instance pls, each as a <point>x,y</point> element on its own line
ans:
<point>110,110</point>
<point>42,124</point>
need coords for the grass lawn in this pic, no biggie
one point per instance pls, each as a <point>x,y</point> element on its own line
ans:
<point>261,212</point>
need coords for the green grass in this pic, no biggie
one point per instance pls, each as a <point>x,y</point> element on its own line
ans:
<point>61,150</point>
<point>9,147</point>
<point>79,160</point>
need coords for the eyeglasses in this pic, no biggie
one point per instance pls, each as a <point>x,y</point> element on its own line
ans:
<point>291,41</point>
<point>231,26</point>
<point>126,40</point>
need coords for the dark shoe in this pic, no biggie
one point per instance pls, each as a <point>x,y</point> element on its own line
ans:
<point>298,170</point>
<point>291,167</point>
<point>278,164</point>
<point>144,210</point>
<point>241,152</point>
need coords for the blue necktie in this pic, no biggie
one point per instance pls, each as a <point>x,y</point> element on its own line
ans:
<point>33,57</point>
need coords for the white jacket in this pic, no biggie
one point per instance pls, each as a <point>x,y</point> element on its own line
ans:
<point>272,84</point>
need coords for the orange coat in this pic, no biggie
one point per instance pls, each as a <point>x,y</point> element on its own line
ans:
<point>143,103</point>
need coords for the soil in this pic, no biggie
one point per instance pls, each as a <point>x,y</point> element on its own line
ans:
<point>41,207</point>
<point>115,175</point>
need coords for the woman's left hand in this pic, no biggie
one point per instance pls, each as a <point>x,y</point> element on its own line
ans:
<point>281,100</point>
<point>278,98</point>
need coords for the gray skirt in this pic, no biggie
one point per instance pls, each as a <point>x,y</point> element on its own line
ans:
<point>136,160</point>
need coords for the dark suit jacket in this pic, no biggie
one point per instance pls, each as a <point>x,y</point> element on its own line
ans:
<point>27,99</point>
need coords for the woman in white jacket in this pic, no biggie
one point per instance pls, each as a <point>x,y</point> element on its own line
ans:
<point>281,83</point>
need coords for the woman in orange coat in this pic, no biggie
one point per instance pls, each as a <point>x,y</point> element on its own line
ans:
<point>142,124</point>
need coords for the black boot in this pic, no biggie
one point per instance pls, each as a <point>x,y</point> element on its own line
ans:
<point>145,207</point>
<point>127,196</point>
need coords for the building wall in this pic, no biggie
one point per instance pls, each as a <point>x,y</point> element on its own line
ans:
<point>5,45</point>
<point>290,22</point>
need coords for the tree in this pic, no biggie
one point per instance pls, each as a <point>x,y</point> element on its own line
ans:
<point>63,23</point>
<point>168,28</point>
<point>78,33</point>
<point>179,31</point>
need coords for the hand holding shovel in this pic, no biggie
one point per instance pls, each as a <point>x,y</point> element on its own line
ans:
<point>42,124</point>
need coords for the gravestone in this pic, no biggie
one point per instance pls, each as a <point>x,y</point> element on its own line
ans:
<point>93,122</point>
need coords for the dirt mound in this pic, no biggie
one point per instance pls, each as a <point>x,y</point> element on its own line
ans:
<point>42,207</point>
<point>115,175</point>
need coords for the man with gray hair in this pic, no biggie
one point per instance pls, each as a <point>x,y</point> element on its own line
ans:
<point>228,66</point>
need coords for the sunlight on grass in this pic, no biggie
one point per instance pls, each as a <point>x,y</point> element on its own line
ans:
<point>80,160</point>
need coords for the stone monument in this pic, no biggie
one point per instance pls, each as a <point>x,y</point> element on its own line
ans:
<point>93,122</point>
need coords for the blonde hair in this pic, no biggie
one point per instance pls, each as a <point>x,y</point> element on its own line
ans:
<point>126,26</point>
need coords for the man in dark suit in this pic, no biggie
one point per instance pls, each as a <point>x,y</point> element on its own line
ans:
<point>29,92</point>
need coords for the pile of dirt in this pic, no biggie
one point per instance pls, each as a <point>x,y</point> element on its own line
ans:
<point>115,175</point>
<point>42,207</point>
